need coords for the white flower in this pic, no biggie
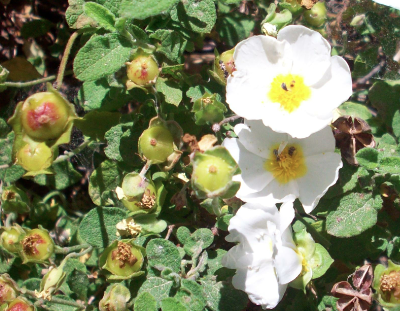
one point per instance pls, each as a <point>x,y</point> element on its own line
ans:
<point>393,3</point>
<point>278,168</point>
<point>291,83</point>
<point>265,258</point>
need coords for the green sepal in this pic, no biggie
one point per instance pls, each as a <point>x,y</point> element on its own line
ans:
<point>103,261</point>
<point>3,77</point>
<point>115,298</point>
<point>216,72</point>
<point>150,224</point>
<point>280,20</point>
<point>380,270</point>
<point>52,281</point>
<point>293,6</point>
<point>203,185</point>
<point>14,200</point>
<point>208,109</point>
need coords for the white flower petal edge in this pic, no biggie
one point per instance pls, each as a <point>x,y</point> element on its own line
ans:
<point>393,3</point>
<point>265,258</point>
<point>253,148</point>
<point>298,51</point>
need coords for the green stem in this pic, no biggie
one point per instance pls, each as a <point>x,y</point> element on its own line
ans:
<point>55,300</point>
<point>315,234</point>
<point>71,153</point>
<point>67,250</point>
<point>31,83</point>
<point>145,168</point>
<point>10,218</point>
<point>53,194</point>
<point>84,252</point>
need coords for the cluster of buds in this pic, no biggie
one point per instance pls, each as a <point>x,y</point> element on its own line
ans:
<point>41,123</point>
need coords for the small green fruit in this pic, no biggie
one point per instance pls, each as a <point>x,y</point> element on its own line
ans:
<point>124,259</point>
<point>212,174</point>
<point>20,304</point>
<point>44,116</point>
<point>316,16</point>
<point>228,63</point>
<point>35,158</point>
<point>7,289</point>
<point>143,70</point>
<point>115,299</point>
<point>156,144</point>
<point>36,246</point>
<point>14,200</point>
<point>10,237</point>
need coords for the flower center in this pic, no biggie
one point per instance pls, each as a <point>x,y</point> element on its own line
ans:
<point>286,165</point>
<point>289,91</point>
<point>390,284</point>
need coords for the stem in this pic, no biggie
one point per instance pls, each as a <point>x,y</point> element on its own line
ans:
<point>53,194</point>
<point>10,218</point>
<point>70,154</point>
<point>84,252</point>
<point>67,250</point>
<point>217,126</point>
<point>31,83</point>
<point>54,300</point>
<point>4,165</point>
<point>145,169</point>
<point>318,236</point>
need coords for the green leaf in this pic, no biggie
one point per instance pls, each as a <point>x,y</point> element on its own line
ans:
<point>103,121</point>
<point>98,226</point>
<point>157,287</point>
<point>190,294</point>
<point>163,254</point>
<point>104,178</point>
<point>64,176</point>
<point>223,222</point>
<point>145,302</point>
<point>198,16</point>
<point>171,304</point>
<point>75,16</point>
<point>142,9</point>
<point>368,158</point>
<point>101,56</point>
<point>172,44</point>
<point>78,282</point>
<point>320,262</point>
<point>150,224</point>
<point>12,173</point>
<point>215,267</point>
<point>199,240</point>
<point>355,213</point>
<point>234,28</point>
<point>396,124</point>
<point>223,297</point>
<point>171,91</point>
<point>104,17</point>
<point>112,5</point>
<point>390,165</point>
<point>385,97</point>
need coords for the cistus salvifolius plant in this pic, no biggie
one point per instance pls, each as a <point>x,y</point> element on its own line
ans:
<point>200,155</point>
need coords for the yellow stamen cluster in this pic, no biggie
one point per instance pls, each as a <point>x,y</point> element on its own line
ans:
<point>390,284</point>
<point>289,91</point>
<point>124,255</point>
<point>288,165</point>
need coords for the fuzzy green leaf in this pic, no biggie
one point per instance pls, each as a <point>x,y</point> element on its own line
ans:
<point>98,226</point>
<point>145,302</point>
<point>191,295</point>
<point>163,254</point>
<point>64,176</point>
<point>101,56</point>
<point>142,9</point>
<point>157,287</point>
<point>78,282</point>
<point>223,297</point>
<point>103,120</point>
<point>171,304</point>
<point>171,91</point>
<point>368,158</point>
<point>199,240</point>
<point>100,14</point>
<point>172,44</point>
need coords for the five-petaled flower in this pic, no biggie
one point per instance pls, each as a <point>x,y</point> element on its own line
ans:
<point>279,168</point>
<point>393,3</point>
<point>292,83</point>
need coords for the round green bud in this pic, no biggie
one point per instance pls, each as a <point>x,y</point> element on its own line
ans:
<point>35,158</point>
<point>7,290</point>
<point>20,304</point>
<point>138,193</point>
<point>36,246</point>
<point>228,63</point>
<point>143,70</point>
<point>212,173</point>
<point>124,259</point>
<point>9,238</point>
<point>316,16</point>
<point>44,116</point>
<point>14,200</point>
<point>156,144</point>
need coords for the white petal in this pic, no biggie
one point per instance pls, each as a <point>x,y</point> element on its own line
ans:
<point>322,172</point>
<point>332,90</point>
<point>318,143</point>
<point>231,258</point>
<point>393,3</point>
<point>258,138</point>
<point>252,166</point>
<point>260,284</point>
<point>310,52</point>
<point>286,215</point>
<point>288,264</point>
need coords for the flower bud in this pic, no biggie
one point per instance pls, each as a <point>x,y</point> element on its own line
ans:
<point>51,282</point>
<point>123,259</point>
<point>115,299</point>
<point>137,193</point>
<point>212,173</point>
<point>227,62</point>
<point>8,291</point>
<point>36,246</point>
<point>20,304</point>
<point>35,158</point>
<point>208,109</point>
<point>10,237</point>
<point>387,284</point>
<point>270,30</point>
<point>316,16</point>
<point>142,70</point>
<point>156,144</point>
<point>14,200</point>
